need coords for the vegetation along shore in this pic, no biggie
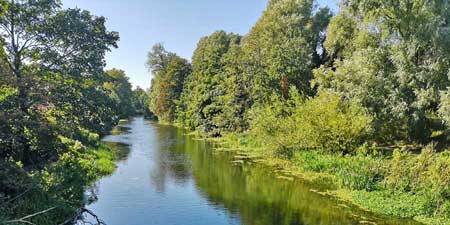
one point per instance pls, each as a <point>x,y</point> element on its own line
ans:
<point>360,97</point>
<point>357,97</point>
<point>56,101</point>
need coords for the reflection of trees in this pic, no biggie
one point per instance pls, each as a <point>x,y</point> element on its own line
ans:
<point>258,197</point>
<point>171,161</point>
<point>118,130</point>
<point>91,194</point>
<point>252,193</point>
<point>121,150</point>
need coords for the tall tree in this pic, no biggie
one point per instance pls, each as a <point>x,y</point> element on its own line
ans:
<point>120,91</point>
<point>396,61</point>
<point>140,101</point>
<point>169,73</point>
<point>170,88</point>
<point>206,87</point>
<point>282,48</point>
<point>39,32</point>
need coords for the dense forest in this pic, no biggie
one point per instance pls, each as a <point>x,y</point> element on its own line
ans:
<point>56,100</point>
<point>362,96</point>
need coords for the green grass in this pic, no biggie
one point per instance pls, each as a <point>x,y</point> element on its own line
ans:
<point>104,163</point>
<point>60,185</point>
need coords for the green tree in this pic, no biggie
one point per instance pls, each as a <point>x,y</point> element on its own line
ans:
<point>395,61</point>
<point>170,88</point>
<point>169,73</point>
<point>70,41</point>
<point>206,87</point>
<point>282,48</point>
<point>116,82</point>
<point>140,101</point>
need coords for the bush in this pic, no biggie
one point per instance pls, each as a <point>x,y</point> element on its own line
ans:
<point>326,122</point>
<point>427,175</point>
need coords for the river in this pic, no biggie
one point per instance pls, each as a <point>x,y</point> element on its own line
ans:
<point>164,177</point>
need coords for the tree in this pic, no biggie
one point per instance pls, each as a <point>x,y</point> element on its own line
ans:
<point>169,73</point>
<point>120,91</point>
<point>395,61</point>
<point>171,87</point>
<point>205,87</point>
<point>39,32</point>
<point>282,48</point>
<point>140,101</point>
<point>157,61</point>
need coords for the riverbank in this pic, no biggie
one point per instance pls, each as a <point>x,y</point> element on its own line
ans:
<point>394,184</point>
<point>56,191</point>
<point>169,177</point>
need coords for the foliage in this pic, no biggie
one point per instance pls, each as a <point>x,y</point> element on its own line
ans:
<point>325,122</point>
<point>202,103</point>
<point>405,185</point>
<point>230,73</point>
<point>120,90</point>
<point>396,61</point>
<point>170,72</point>
<point>444,107</point>
<point>60,185</point>
<point>427,175</point>
<point>281,49</point>
<point>55,102</point>
<point>141,101</point>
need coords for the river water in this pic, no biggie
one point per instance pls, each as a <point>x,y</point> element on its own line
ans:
<point>164,177</point>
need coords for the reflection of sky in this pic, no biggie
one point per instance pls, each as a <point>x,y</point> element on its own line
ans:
<point>154,186</point>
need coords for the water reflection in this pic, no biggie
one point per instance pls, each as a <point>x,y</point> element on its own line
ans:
<point>121,150</point>
<point>120,129</point>
<point>168,178</point>
<point>169,160</point>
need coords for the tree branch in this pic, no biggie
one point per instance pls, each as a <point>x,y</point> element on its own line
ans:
<point>24,219</point>
<point>78,217</point>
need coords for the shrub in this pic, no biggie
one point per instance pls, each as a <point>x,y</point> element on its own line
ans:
<point>331,123</point>
<point>427,175</point>
<point>326,122</point>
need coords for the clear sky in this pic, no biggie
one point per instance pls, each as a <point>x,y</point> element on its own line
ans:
<point>179,24</point>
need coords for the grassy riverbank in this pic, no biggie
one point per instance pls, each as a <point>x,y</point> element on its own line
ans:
<point>398,183</point>
<point>59,187</point>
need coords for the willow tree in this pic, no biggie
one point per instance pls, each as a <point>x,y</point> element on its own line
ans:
<point>394,56</point>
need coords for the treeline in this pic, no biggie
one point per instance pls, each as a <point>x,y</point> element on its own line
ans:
<point>56,101</point>
<point>392,59</point>
<point>304,83</point>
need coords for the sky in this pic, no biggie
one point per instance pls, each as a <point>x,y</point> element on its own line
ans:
<point>178,24</point>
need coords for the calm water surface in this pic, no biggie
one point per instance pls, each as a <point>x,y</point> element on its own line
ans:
<point>164,177</point>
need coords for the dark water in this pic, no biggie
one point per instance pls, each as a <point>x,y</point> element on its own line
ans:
<point>165,178</point>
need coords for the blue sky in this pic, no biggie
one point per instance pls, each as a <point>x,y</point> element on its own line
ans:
<point>179,24</point>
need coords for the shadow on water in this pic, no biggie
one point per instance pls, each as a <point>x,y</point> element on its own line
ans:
<point>169,178</point>
<point>118,130</point>
<point>121,150</point>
